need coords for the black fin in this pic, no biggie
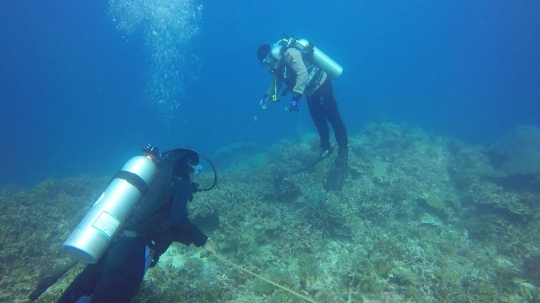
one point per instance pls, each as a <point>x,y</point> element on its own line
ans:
<point>323,155</point>
<point>49,280</point>
<point>335,178</point>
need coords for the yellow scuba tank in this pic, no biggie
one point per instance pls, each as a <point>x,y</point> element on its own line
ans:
<point>92,236</point>
<point>330,66</point>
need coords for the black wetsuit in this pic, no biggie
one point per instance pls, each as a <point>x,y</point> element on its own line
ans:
<point>303,77</point>
<point>322,108</point>
<point>118,274</point>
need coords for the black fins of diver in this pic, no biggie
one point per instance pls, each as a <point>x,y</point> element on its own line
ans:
<point>323,155</point>
<point>49,280</point>
<point>336,176</point>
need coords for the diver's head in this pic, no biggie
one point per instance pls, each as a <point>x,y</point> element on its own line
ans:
<point>187,166</point>
<point>270,55</point>
<point>263,52</point>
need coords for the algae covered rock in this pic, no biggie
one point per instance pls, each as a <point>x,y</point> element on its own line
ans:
<point>239,156</point>
<point>517,152</point>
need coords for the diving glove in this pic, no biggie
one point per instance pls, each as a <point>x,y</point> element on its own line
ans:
<point>262,103</point>
<point>295,103</point>
<point>195,187</point>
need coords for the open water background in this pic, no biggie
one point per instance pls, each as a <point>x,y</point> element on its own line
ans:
<point>83,84</point>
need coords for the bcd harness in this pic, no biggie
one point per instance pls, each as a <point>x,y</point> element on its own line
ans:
<point>152,215</point>
<point>315,73</point>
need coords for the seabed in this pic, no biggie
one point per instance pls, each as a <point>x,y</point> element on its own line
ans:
<point>421,219</point>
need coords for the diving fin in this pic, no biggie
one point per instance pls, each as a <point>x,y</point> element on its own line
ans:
<point>49,280</point>
<point>323,155</point>
<point>335,178</point>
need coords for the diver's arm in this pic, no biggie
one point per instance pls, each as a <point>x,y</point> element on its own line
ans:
<point>294,60</point>
<point>277,81</point>
<point>186,232</point>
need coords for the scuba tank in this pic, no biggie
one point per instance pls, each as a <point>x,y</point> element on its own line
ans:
<point>89,240</point>
<point>330,66</point>
<point>122,198</point>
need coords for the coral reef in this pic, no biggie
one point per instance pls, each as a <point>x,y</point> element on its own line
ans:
<point>239,156</point>
<point>420,219</point>
<point>517,152</point>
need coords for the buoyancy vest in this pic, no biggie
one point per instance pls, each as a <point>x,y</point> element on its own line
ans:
<point>152,215</point>
<point>315,73</point>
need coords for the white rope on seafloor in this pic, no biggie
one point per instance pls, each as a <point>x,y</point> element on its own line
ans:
<point>264,279</point>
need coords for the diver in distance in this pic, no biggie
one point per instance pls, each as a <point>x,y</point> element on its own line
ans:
<point>305,70</point>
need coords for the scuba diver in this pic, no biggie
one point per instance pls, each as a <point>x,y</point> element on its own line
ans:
<point>157,219</point>
<point>305,70</point>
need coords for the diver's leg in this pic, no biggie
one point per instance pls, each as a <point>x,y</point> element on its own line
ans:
<point>83,285</point>
<point>333,116</point>
<point>122,274</point>
<point>316,110</point>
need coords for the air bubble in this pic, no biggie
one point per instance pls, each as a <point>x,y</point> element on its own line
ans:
<point>167,26</point>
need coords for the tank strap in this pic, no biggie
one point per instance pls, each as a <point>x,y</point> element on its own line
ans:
<point>308,51</point>
<point>148,258</point>
<point>132,179</point>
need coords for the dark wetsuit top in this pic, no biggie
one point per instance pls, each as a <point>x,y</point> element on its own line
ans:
<point>117,276</point>
<point>181,228</point>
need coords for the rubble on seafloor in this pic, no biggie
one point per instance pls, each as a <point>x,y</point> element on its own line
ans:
<point>421,219</point>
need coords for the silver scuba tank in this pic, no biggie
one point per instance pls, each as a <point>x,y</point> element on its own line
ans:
<point>330,66</point>
<point>89,240</point>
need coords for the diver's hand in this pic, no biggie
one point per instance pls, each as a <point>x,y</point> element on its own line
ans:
<point>262,103</point>
<point>195,187</point>
<point>295,103</point>
<point>210,246</point>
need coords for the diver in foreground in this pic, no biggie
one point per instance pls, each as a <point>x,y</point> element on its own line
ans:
<point>305,70</point>
<point>135,220</point>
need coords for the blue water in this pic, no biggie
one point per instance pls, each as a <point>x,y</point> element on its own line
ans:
<point>73,88</point>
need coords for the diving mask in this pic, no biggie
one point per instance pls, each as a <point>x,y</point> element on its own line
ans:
<point>273,59</point>
<point>196,169</point>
